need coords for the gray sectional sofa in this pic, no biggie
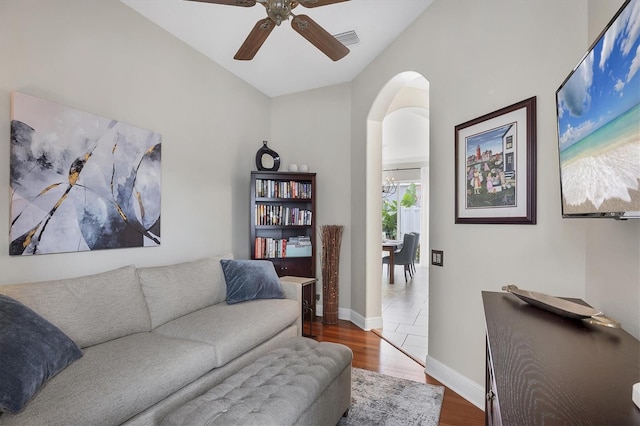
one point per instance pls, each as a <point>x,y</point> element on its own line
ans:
<point>151,339</point>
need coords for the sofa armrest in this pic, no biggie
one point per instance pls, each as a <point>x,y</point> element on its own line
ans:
<point>293,291</point>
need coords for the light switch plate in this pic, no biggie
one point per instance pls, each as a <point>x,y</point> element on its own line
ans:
<point>437,257</point>
<point>636,394</point>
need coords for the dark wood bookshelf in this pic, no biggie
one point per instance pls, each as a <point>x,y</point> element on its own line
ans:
<point>296,193</point>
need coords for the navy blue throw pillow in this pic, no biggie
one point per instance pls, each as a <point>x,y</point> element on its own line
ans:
<point>250,280</point>
<point>32,350</point>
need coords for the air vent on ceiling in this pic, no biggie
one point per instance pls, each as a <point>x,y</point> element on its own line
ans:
<point>347,38</point>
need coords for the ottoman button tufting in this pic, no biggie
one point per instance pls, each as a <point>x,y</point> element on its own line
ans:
<point>304,381</point>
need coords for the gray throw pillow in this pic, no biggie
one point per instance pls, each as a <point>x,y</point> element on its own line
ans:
<point>250,280</point>
<point>32,350</point>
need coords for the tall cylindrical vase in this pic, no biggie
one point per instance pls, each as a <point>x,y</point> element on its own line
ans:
<point>331,240</point>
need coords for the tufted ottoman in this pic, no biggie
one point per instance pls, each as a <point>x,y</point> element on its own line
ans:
<point>303,382</point>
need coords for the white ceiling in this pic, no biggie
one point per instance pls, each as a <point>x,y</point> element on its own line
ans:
<point>286,63</point>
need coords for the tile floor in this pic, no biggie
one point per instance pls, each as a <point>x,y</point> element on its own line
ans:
<point>405,309</point>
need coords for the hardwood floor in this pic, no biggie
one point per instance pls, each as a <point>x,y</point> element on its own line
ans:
<point>370,352</point>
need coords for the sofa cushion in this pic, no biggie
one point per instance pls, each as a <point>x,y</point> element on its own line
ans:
<point>90,309</point>
<point>251,280</point>
<point>116,380</point>
<point>32,350</point>
<point>175,290</point>
<point>234,329</point>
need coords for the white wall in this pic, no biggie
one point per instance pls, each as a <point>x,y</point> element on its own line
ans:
<point>314,128</point>
<point>405,136</point>
<point>104,58</point>
<point>479,57</point>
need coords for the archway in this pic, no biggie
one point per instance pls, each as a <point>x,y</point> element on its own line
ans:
<point>407,91</point>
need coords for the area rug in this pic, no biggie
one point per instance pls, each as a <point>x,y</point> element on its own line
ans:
<point>378,399</point>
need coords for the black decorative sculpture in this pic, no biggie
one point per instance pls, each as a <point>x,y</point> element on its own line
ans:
<point>267,151</point>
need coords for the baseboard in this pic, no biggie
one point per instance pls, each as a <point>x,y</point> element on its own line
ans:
<point>366,324</point>
<point>466,388</point>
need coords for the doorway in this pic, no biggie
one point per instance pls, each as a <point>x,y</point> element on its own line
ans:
<point>398,129</point>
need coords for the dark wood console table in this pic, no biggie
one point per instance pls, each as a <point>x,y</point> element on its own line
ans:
<point>544,369</point>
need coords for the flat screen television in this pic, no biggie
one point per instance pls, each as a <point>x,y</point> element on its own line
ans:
<point>598,114</point>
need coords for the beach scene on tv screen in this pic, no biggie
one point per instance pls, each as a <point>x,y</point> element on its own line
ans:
<point>599,123</point>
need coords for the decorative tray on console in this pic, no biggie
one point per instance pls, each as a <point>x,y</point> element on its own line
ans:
<point>562,307</point>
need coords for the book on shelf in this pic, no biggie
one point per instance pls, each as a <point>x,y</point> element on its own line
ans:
<point>268,188</point>
<point>274,248</point>
<point>268,214</point>
<point>269,248</point>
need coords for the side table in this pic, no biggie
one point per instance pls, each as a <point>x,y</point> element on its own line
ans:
<point>308,300</point>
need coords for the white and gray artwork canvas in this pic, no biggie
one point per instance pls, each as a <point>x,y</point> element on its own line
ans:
<point>79,181</point>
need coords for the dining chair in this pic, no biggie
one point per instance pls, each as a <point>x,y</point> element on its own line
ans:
<point>403,256</point>
<point>416,244</point>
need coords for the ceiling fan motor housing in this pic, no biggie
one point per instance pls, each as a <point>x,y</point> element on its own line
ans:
<point>279,10</point>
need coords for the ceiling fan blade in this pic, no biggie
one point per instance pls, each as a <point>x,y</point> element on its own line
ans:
<point>255,39</point>
<point>319,37</point>
<point>243,3</point>
<point>316,3</point>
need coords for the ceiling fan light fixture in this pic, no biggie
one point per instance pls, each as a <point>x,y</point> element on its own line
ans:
<point>278,10</point>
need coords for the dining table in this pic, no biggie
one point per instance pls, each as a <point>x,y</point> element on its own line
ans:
<point>391,246</point>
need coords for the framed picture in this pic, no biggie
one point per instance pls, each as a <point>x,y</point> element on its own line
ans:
<point>495,170</point>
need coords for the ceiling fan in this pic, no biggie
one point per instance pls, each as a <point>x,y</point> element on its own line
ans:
<point>279,11</point>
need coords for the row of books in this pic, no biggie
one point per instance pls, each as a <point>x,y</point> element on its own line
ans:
<point>267,188</point>
<point>269,248</point>
<point>267,214</point>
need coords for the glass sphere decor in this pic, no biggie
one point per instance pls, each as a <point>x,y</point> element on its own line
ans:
<point>265,150</point>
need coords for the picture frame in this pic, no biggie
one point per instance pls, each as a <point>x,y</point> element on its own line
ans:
<point>495,167</point>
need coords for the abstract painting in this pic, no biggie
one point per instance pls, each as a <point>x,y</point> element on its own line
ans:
<point>80,181</point>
